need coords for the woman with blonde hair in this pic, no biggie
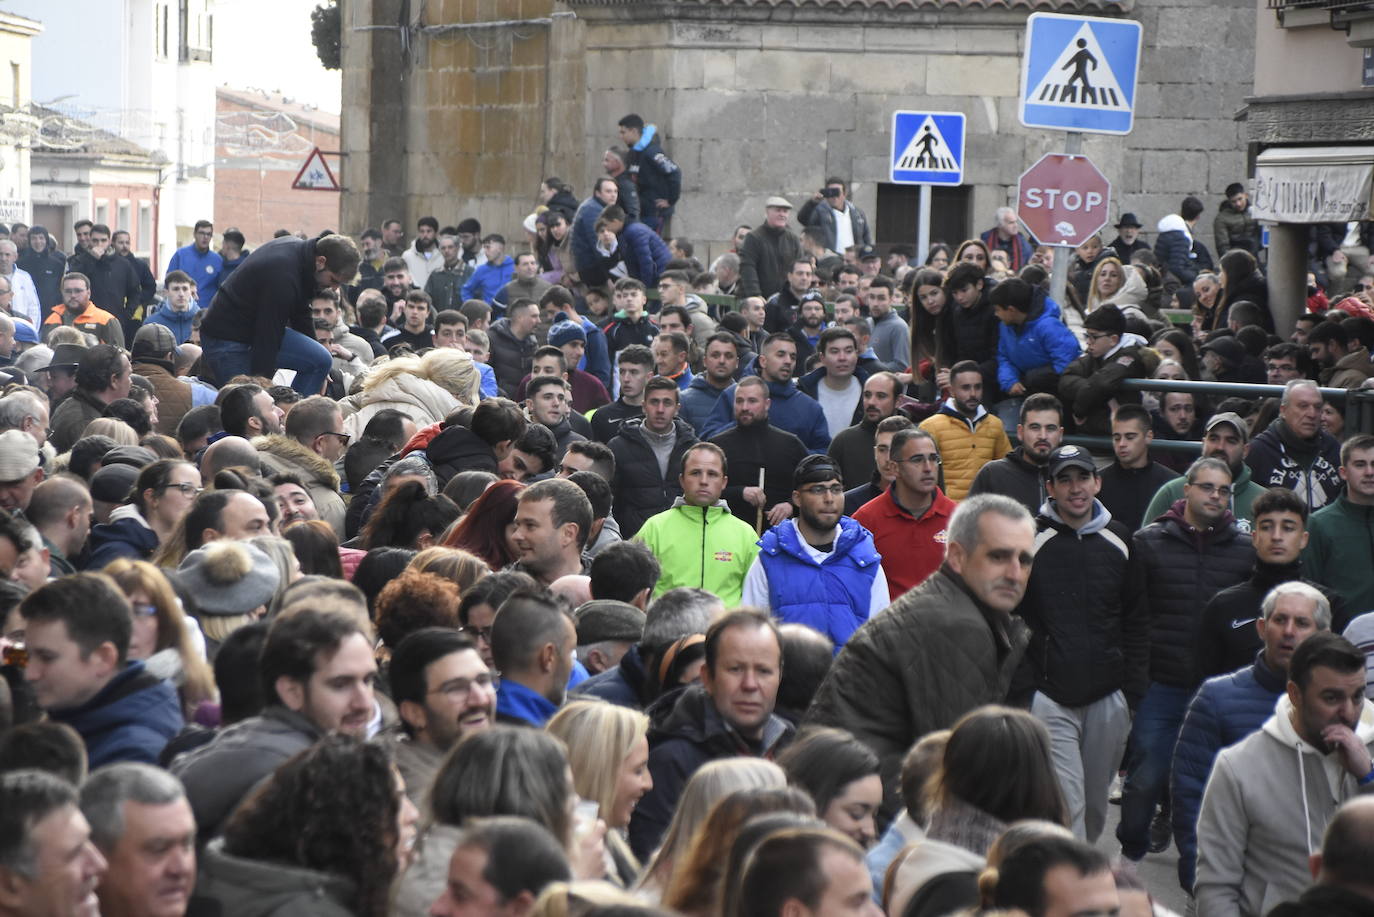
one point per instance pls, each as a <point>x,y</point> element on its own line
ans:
<point>711,783</point>
<point>1116,284</point>
<point>453,564</point>
<point>608,750</point>
<point>114,428</point>
<point>580,897</point>
<point>426,389</point>
<point>163,636</point>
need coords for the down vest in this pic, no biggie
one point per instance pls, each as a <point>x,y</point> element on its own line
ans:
<point>1225,710</point>
<point>926,660</point>
<point>833,596</point>
<point>1084,605</point>
<point>965,445</point>
<point>1184,568</point>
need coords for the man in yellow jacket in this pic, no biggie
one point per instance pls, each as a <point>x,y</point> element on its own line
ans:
<point>968,436</point>
<point>699,542</point>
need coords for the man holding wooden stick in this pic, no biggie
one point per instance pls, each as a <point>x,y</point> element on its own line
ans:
<point>761,458</point>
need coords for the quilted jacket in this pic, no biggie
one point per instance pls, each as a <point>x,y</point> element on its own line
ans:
<point>965,446</point>
<point>923,662</point>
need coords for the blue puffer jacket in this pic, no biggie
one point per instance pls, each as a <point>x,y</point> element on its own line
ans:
<point>1225,710</point>
<point>585,259</point>
<point>1042,340</point>
<point>644,252</point>
<point>832,596</point>
<point>130,719</point>
<point>125,535</point>
<point>178,322</point>
<point>792,410</point>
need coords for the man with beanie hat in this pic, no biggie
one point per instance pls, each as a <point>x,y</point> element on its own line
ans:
<point>229,579</point>
<point>606,629</point>
<point>20,470</point>
<point>1089,385</point>
<point>154,353</point>
<point>819,568</point>
<point>110,487</point>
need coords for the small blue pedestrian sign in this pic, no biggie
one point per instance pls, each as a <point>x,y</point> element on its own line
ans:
<point>927,148</point>
<point>1079,73</point>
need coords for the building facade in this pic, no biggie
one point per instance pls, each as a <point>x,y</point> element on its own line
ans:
<point>18,123</point>
<point>465,109</point>
<point>261,142</point>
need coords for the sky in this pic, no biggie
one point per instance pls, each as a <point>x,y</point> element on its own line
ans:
<point>265,44</point>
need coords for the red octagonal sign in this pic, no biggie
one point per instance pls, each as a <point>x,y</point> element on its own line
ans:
<point>1063,199</point>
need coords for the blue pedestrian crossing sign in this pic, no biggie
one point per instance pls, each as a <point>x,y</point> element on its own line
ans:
<point>1078,73</point>
<point>927,148</point>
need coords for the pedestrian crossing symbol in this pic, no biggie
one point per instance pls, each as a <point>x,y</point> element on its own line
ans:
<point>927,148</point>
<point>1079,73</point>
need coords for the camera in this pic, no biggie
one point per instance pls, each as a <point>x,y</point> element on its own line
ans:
<point>830,192</point>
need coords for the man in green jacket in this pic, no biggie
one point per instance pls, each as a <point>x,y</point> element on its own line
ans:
<point>1341,534</point>
<point>699,542</point>
<point>1224,438</point>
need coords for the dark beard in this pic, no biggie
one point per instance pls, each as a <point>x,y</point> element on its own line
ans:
<point>422,246</point>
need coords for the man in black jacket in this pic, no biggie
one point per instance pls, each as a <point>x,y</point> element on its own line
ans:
<point>648,457</point>
<point>754,447</point>
<point>1089,645</point>
<point>1191,553</point>
<point>1019,474</point>
<point>114,286</point>
<point>1130,482</point>
<point>46,265</point>
<point>260,318</point>
<point>513,344</point>
<point>1227,638</point>
<point>768,252</point>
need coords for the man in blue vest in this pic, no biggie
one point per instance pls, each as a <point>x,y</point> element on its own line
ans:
<point>819,568</point>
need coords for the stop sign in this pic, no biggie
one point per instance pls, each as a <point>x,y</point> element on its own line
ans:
<point>1063,199</point>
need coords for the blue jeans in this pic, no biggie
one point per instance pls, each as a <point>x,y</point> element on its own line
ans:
<point>306,356</point>
<point>1153,734</point>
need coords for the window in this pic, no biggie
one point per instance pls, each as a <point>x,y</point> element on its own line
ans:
<point>102,211</point>
<point>122,216</point>
<point>161,22</point>
<point>14,77</point>
<point>196,30</point>
<point>143,241</point>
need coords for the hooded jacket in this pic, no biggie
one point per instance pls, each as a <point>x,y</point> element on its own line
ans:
<point>1174,249</point>
<point>657,176</point>
<point>283,454</point>
<point>46,269</point>
<point>219,775</point>
<point>1308,467</point>
<point>421,400</point>
<point>697,400</point>
<point>586,261</point>
<point>422,264</point>
<point>832,594</point>
<point>1224,711</point>
<point>1042,340</point>
<point>1340,552</point>
<point>179,323</point>
<point>1263,814</point>
<point>704,547</point>
<point>127,534</point>
<point>227,884</point>
<point>1089,384</point>
<point>1085,608</point>
<point>640,490</point>
<point>1184,566</point>
<point>1244,492</point>
<point>933,655</point>
<point>646,257</point>
<point>965,445</point>
<point>792,410</point>
<point>686,732</point>
<point>129,719</point>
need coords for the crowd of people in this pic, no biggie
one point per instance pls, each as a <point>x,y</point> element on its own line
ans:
<point>569,575</point>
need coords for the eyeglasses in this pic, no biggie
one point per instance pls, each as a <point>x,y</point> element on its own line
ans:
<point>343,437</point>
<point>143,610</point>
<point>1210,489</point>
<point>462,687</point>
<point>1096,335</point>
<point>834,490</point>
<point>480,633</point>
<point>931,459</point>
<point>189,490</point>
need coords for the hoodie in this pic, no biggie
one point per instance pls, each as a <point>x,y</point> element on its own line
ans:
<point>1269,800</point>
<point>1174,249</point>
<point>792,410</point>
<point>178,322</point>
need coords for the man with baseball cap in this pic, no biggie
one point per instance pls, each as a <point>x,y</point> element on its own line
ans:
<point>20,470</point>
<point>819,568</point>
<point>1089,641</point>
<point>1224,437</point>
<point>154,355</point>
<point>768,252</point>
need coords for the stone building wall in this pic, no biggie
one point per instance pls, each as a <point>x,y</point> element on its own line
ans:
<point>761,97</point>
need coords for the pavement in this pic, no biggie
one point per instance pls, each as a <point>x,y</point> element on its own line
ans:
<point>1159,871</point>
